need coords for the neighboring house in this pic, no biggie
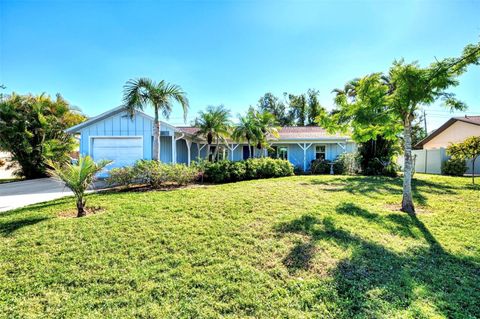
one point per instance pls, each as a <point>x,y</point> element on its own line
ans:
<point>455,130</point>
<point>431,152</point>
<point>115,136</point>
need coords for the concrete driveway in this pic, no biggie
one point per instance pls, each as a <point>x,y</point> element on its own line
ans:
<point>18,194</point>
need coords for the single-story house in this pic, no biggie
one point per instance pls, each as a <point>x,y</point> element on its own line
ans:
<point>455,130</point>
<point>116,136</point>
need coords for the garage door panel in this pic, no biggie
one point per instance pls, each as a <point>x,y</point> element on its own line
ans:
<point>122,151</point>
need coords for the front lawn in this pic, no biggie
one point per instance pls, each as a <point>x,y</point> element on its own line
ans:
<point>296,247</point>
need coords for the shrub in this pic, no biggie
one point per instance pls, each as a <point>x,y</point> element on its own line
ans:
<point>123,177</point>
<point>32,129</point>
<point>154,174</point>
<point>320,166</point>
<point>347,163</point>
<point>454,167</point>
<point>252,168</point>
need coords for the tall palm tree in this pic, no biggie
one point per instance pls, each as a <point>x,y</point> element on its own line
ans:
<point>214,124</point>
<point>247,130</point>
<point>138,93</point>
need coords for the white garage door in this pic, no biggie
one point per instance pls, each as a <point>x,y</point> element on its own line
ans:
<point>122,151</point>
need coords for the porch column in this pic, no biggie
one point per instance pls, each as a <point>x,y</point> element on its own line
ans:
<point>189,145</point>
<point>232,148</point>
<point>304,147</point>
<point>174,149</point>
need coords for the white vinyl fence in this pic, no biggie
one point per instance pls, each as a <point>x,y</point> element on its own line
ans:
<point>431,161</point>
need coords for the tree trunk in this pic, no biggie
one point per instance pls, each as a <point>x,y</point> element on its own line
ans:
<point>215,154</point>
<point>249,149</point>
<point>81,207</point>
<point>473,170</point>
<point>156,137</point>
<point>407,201</point>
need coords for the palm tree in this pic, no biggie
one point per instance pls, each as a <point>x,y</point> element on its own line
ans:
<point>138,93</point>
<point>247,130</point>
<point>214,124</point>
<point>349,90</point>
<point>267,123</point>
<point>78,177</point>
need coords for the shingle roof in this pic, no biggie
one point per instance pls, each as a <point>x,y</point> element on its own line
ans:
<point>288,132</point>
<point>469,119</point>
<point>475,120</point>
<point>306,132</point>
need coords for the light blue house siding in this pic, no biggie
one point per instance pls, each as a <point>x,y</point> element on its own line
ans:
<point>182,152</point>
<point>165,148</point>
<point>119,124</point>
<point>116,136</point>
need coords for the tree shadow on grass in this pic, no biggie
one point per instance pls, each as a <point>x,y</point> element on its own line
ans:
<point>372,186</point>
<point>7,228</point>
<point>375,279</point>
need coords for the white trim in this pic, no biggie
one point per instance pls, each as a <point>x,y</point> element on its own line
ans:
<point>91,137</point>
<point>344,146</point>
<point>174,149</point>
<point>326,150</point>
<point>305,148</point>
<point>189,156</point>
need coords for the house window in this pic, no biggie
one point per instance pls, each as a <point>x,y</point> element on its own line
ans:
<point>283,152</point>
<point>320,152</point>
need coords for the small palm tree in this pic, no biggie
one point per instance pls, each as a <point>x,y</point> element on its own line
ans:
<point>247,130</point>
<point>214,124</point>
<point>78,177</point>
<point>141,92</point>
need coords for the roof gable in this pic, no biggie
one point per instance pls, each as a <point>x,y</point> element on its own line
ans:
<point>110,113</point>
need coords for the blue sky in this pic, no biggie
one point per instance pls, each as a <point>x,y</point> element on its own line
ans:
<point>226,52</point>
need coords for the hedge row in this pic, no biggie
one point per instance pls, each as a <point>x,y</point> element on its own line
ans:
<point>253,168</point>
<point>157,175</point>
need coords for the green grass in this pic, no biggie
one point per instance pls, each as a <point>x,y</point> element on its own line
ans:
<point>296,247</point>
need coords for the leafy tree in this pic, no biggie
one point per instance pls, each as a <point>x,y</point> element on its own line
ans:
<point>272,104</point>
<point>247,130</point>
<point>388,104</point>
<point>214,124</point>
<point>138,93</point>
<point>299,108</point>
<point>32,129</point>
<point>314,106</point>
<point>78,177</point>
<point>468,149</point>
<point>418,130</point>
<point>376,152</point>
